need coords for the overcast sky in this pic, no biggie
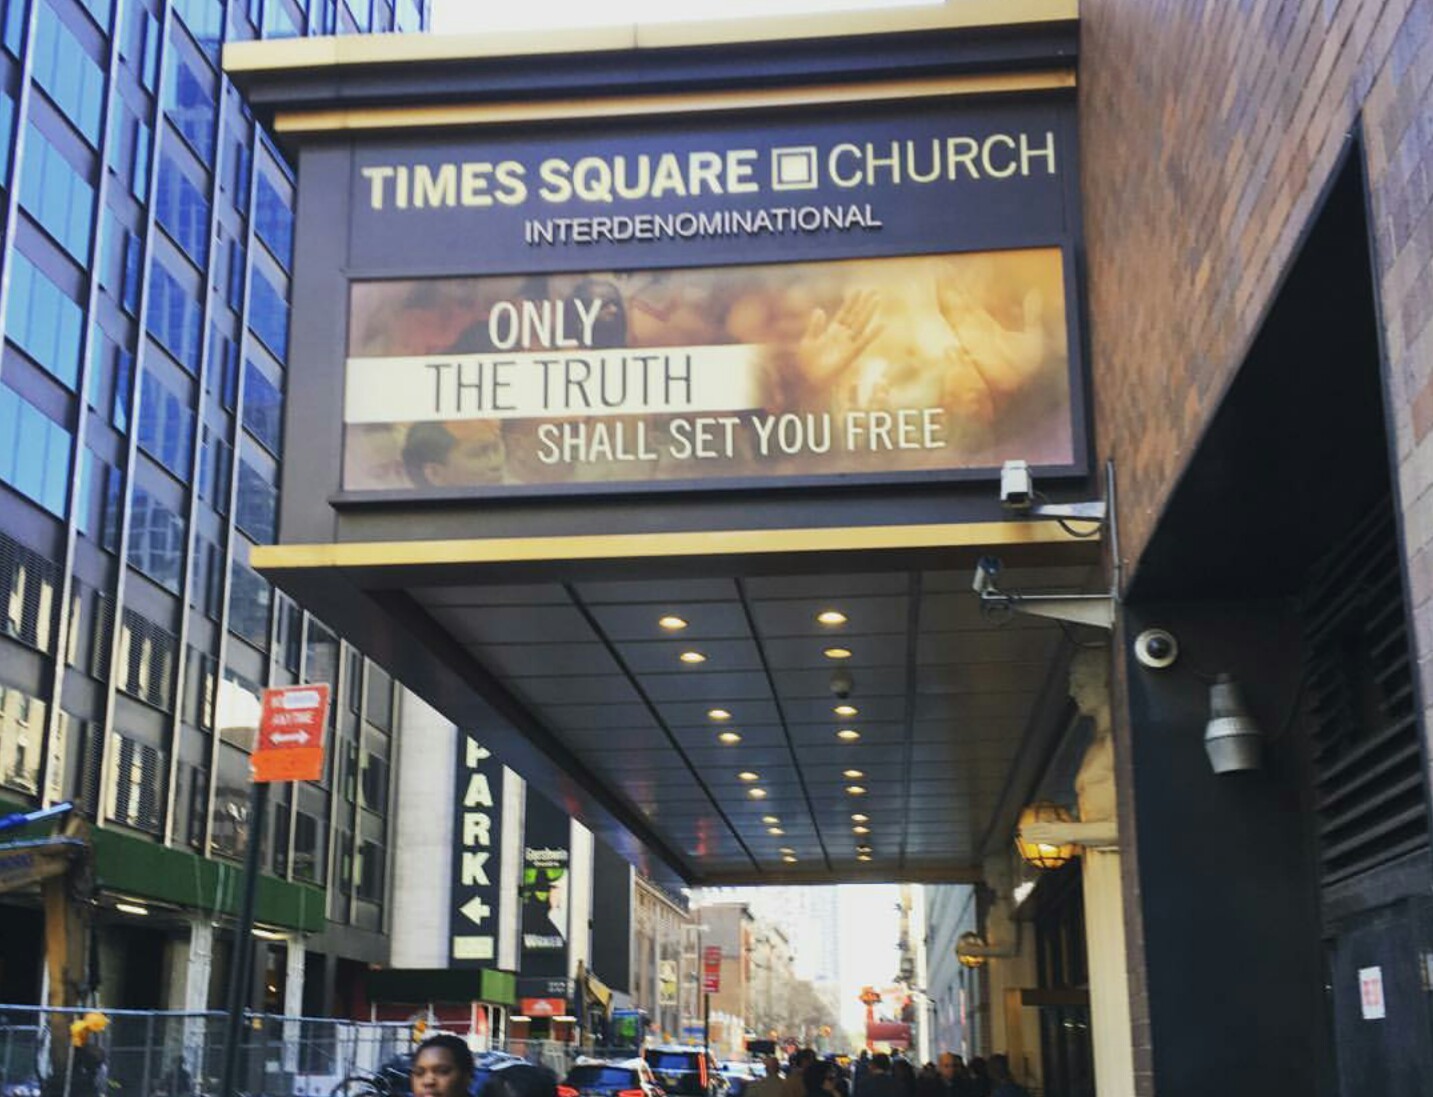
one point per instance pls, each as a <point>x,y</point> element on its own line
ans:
<point>457,16</point>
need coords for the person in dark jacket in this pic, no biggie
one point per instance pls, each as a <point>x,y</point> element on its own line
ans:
<point>878,1081</point>
<point>1003,1081</point>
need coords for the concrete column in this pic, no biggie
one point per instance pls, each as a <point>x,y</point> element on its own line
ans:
<point>579,898</point>
<point>510,871</point>
<point>1109,976</point>
<point>294,955</point>
<point>423,831</point>
<point>198,968</point>
<point>1110,1033</point>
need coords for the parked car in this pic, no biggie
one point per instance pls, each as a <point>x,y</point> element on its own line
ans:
<point>610,1078</point>
<point>686,1072</point>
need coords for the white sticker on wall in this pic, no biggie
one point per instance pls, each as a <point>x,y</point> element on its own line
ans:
<point>1370,993</point>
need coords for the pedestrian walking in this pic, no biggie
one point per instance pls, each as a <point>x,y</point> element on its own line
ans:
<point>905,1076</point>
<point>979,1077</point>
<point>955,1078</point>
<point>795,1085</point>
<point>1003,1081</point>
<point>442,1067</point>
<point>878,1081</point>
<point>771,1085</point>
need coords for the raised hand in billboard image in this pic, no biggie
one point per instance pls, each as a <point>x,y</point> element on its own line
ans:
<point>899,365</point>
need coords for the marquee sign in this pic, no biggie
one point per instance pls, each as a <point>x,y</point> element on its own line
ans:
<point>882,296</point>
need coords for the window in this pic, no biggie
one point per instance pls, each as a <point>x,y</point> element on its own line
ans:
<point>189,106</point>
<point>129,145</point>
<point>156,540</point>
<point>7,131</point>
<point>370,872</point>
<point>181,208</point>
<point>133,264</point>
<point>269,315</point>
<point>123,385</point>
<point>256,510</point>
<point>43,321</point>
<point>14,32</point>
<point>263,408</point>
<point>147,656</point>
<point>22,737</point>
<point>373,783</point>
<point>205,20</point>
<point>166,426</point>
<point>321,655</point>
<point>136,786</point>
<point>235,282</point>
<point>215,456</point>
<point>207,585</point>
<point>173,317</point>
<point>309,848</point>
<point>100,10</point>
<point>28,583</point>
<point>99,500</point>
<point>201,681</point>
<point>249,598</point>
<point>73,81</point>
<point>274,221</point>
<point>407,18</point>
<point>279,22</point>
<point>34,452</point>
<point>56,195</point>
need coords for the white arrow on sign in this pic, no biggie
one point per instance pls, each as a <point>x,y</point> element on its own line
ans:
<point>289,737</point>
<point>475,910</point>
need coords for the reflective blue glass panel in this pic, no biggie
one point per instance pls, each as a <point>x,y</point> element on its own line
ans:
<point>43,321</point>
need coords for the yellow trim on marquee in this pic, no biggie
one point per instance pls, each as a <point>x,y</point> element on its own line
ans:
<point>392,49</point>
<point>490,114</point>
<point>625,546</point>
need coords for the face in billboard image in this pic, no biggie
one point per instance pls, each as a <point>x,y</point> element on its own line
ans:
<point>907,365</point>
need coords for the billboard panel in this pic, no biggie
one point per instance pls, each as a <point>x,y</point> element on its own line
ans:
<point>855,369</point>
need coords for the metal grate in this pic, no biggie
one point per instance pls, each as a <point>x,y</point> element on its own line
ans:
<point>29,586</point>
<point>1361,705</point>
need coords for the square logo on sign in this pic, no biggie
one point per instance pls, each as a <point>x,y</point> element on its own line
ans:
<point>794,168</point>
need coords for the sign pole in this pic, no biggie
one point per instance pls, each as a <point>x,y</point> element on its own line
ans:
<point>243,942</point>
<point>288,746</point>
<point>706,1024</point>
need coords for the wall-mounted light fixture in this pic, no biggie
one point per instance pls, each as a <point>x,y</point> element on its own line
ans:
<point>1233,740</point>
<point>972,950</point>
<point>1050,848</point>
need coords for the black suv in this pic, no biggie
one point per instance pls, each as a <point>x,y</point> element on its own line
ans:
<point>686,1072</point>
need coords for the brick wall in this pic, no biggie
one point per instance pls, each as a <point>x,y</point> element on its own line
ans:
<point>1209,129</point>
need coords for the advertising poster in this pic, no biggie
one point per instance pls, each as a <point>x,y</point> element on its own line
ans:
<point>544,888</point>
<point>476,892</point>
<point>832,370</point>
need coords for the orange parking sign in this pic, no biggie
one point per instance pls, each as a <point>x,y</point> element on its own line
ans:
<point>291,733</point>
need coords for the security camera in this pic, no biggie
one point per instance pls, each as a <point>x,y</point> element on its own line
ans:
<point>842,684</point>
<point>1155,648</point>
<point>986,570</point>
<point>1017,489</point>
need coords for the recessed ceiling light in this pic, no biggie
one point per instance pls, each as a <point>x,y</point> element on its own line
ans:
<point>692,657</point>
<point>770,820</point>
<point>863,849</point>
<point>859,829</point>
<point>785,849</point>
<point>718,714</point>
<point>859,818</point>
<point>132,908</point>
<point>853,774</point>
<point>856,790</point>
<point>831,617</point>
<point>729,737</point>
<point>671,622</point>
<point>775,832</point>
<point>747,775</point>
<point>863,856</point>
<point>837,653</point>
<point>756,793</point>
<point>789,859</point>
<point>850,735</point>
<point>846,710</point>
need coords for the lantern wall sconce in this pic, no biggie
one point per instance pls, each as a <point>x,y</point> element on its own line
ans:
<point>1049,837</point>
<point>972,951</point>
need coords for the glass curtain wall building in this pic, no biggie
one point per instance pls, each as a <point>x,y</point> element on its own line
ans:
<point>147,245</point>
